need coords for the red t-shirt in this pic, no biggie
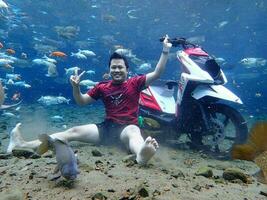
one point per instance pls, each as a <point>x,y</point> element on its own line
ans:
<point>121,101</point>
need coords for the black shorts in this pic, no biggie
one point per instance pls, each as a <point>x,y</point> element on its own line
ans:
<point>109,131</point>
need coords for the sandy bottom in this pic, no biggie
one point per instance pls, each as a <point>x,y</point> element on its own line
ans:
<point>169,175</point>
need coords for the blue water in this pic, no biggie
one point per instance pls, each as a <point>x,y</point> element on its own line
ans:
<point>231,29</point>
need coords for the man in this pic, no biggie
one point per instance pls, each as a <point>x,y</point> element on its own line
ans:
<point>120,97</point>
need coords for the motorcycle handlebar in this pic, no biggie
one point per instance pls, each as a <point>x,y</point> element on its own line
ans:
<point>178,41</point>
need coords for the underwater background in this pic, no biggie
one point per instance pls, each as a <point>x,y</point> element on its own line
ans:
<point>230,30</point>
<point>42,42</point>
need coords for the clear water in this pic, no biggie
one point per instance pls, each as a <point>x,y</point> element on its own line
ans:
<point>232,29</point>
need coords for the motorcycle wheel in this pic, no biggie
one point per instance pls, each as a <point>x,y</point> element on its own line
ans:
<point>227,129</point>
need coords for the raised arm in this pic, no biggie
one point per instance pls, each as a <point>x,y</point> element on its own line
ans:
<point>152,76</point>
<point>81,99</point>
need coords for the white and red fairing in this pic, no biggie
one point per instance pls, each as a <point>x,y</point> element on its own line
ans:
<point>192,72</point>
<point>161,98</point>
<point>190,67</point>
<point>158,98</point>
<point>196,51</point>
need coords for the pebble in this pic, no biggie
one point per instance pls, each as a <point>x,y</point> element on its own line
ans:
<point>13,194</point>
<point>96,153</point>
<point>99,196</point>
<point>5,156</point>
<point>23,152</point>
<point>231,174</point>
<point>204,171</point>
<point>13,174</point>
<point>111,190</point>
<point>143,192</point>
<point>178,174</point>
<point>263,193</point>
<point>197,187</point>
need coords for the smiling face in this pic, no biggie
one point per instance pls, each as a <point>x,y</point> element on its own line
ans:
<point>118,71</point>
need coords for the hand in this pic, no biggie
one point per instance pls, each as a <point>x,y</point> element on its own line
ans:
<point>166,45</point>
<point>76,78</point>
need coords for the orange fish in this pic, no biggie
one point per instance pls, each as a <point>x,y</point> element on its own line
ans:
<point>58,54</point>
<point>1,45</point>
<point>255,149</point>
<point>10,51</point>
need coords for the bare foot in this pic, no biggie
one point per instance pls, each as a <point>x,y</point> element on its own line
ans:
<point>147,150</point>
<point>15,138</point>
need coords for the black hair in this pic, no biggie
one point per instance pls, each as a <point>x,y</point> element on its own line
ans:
<point>116,55</point>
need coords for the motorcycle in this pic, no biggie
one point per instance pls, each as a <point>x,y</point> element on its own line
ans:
<point>201,108</point>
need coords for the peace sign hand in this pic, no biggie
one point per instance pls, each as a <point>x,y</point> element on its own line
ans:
<point>76,78</point>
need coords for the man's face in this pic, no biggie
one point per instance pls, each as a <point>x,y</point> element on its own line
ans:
<point>118,70</point>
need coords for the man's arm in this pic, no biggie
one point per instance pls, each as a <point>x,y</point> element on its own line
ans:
<point>152,76</point>
<point>81,99</point>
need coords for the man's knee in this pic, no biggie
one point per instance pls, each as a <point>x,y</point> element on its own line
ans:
<point>129,131</point>
<point>87,133</point>
<point>73,130</point>
<point>83,128</point>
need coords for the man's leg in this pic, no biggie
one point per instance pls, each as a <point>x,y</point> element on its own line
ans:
<point>84,133</point>
<point>144,150</point>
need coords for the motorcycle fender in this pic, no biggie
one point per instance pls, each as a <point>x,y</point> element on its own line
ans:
<point>217,91</point>
<point>164,98</point>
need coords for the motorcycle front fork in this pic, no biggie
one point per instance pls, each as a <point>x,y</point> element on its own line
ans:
<point>207,125</point>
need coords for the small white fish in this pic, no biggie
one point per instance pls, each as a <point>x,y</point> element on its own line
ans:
<point>220,61</point>
<point>253,62</point>
<point>87,53</point>
<point>3,4</point>
<point>52,100</point>
<point>78,55</point>
<point>10,82</point>
<point>144,67</point>
<point>27,85</point>
<point>130,13</point>
<point>5,61</point>
<point>95,6</point>
<point>57,118</point>
<point>49,59</point>
<point>9,114</point>
<point>39,61</point>
<point>44,62</point>
<point>18,108</point>
<point>222,24</point>
<point>138,61</point>
<point>88,83</point>
<point>22,84</point>
<point>52,71</point>
<point>8,57</point>
<point>71,71</point>
<point>90,72</point>
<point>13,76</point>
<point>125,52</point>
<point>43,12</point>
